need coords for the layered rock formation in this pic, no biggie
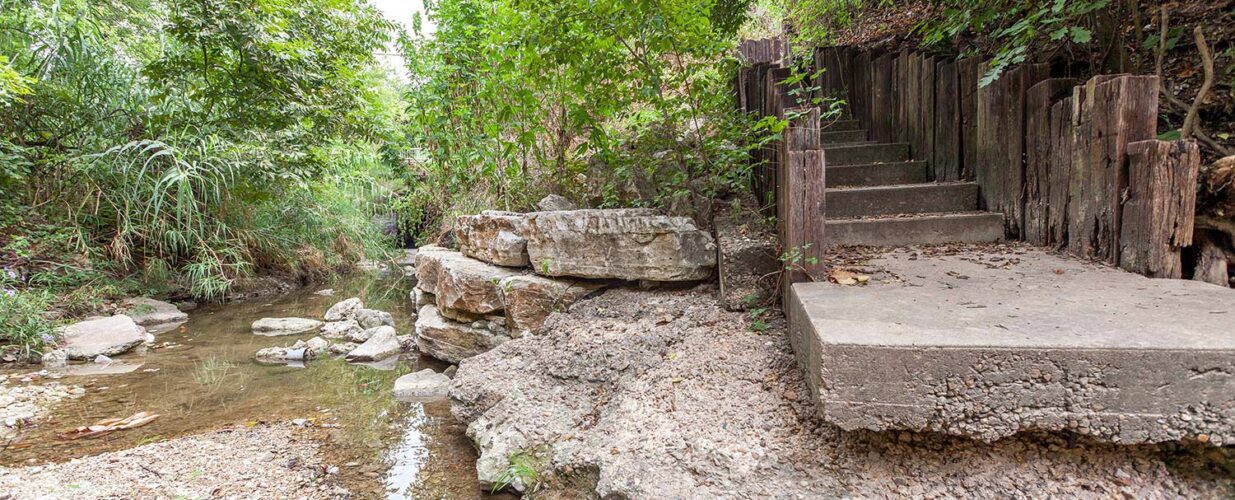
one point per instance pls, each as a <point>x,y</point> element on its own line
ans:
<point>625,244</point>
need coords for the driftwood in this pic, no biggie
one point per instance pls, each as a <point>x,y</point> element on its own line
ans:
<point>1159,212</point>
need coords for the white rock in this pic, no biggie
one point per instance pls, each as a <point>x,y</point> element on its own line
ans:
<point>273,327</point>
<point>106,336</point>
<point>152,313</point>
<point>102,360</point>
<point>344,310</point>
<point>340,329</point>
<point>372,318</point>
<point>424,385</point>
<point>384,343</point>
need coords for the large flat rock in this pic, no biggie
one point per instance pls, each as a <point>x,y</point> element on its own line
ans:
<point>460,282</point>
<point>986,345</point>
<point>494,237</point>
<point>155,315</point>
<point>102,337</point>
<point>452,341</point>
<point>627,244</point>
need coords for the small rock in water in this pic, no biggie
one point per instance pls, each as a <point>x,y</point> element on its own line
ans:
<point>55,358</point>
<point>383,344</point>
<point>285,326</point>
<point>372,318</point>
<point>423,385</point>
<point>102,360</point>
<point>344,310</point>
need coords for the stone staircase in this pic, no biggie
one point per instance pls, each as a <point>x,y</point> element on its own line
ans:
<point>878,195</point>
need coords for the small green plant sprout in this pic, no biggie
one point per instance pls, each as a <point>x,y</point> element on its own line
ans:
<point>544,265</point>
<point>520,471</point>
<point>795,259</point>
<point>757,323</point>
<point>212,371</point>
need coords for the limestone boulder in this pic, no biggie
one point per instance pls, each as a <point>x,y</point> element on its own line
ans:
<point>372,318</point>
<point>463,283</point>
<point>747,260</point>
<point>627,244</point>
<point>384,343</point>
<point>102,337</point>
<point>494,237</point>
<point>529,299</point>
<point>341,329</point>
<point>275,327</point>
<point>452,341</point>
<point>344,310</point>
<point>424,385</point>
<point>155,316</point>
<point>429,261</point>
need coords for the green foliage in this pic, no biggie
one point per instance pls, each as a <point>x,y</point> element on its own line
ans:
<point>23,320</point>
<point>12,83</point>
<point>520,467</point>
<point>1015,26</point>
<point>610,102</point>
<point>196,142</point>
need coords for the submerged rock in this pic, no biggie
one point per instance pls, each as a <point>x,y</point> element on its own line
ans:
<point>103,336</point>
<point>343,310</point>
<point>55,358</point>
<point>342,348</point>
<point>424,385</point>
<point>529,299</point>
<point>452,341</point>
<point>372,318</point>
<point>494,237</point>
<point>383,343</point>
<point>155,315</point>
<point>627,244</point>
<point>274,327</point>
<point>300,351</point>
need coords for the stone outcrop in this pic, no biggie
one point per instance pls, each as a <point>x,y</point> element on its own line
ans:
<point>529,299</point>
<point>344,310</point>
<point>462,283</point>
<point>494,237</point>
<point>102,336</point>
<point>453,341</point>
<point>341,329</point>
<point>382,343</point>
<point>748,260</point>
<point>424,385</point>
<point>555,202</point>
<point>274,327</point>
<point>627,244</point>
<point>155,316</point>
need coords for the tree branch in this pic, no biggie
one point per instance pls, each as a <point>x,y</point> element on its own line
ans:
<point>1207,62</point>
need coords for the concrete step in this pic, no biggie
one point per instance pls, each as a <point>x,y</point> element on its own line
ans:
<point>935,229</point>
<point>876,174</point>
<point>840,125</point>
<point>901,199</point>
<point>842,136</point>
<point>861,154</point>
<point>985,345</point>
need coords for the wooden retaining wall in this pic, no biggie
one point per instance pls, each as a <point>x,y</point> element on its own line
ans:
<point>1072,165</point>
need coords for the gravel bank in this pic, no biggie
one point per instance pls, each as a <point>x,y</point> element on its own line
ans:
<point>275,461</point>
<point>664,395</point>
<point>25,398</point>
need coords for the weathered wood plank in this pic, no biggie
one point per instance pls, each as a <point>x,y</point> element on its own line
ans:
<point>1122,110</point>
<point>1159,210</point>
<point>968,72</point>
<point>882,107</point>
<point>946,159</point>
<point>1061,148</point>
<point>1038,156</point>
<point>1082,230</point>
<point>926,110</point>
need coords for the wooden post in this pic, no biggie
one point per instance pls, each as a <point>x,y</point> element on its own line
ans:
<point>946,156</point>
<point>1159,213</point>
<point>801,209</point>
<point>967,75</point>
<point>1120,110</point>
<point>1039,156</point>
<point>1060,165</point>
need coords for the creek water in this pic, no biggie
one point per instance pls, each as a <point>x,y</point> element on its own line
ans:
<point>206,377</point>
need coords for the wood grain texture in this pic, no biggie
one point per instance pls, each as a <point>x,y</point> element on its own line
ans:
<point>1061,150</point>
<point>1160,207</point>
<point>1039,101</point>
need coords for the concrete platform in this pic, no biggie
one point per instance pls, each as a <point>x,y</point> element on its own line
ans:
<point>986,345</point>
<point>902,199</point>
<point>969,227</point>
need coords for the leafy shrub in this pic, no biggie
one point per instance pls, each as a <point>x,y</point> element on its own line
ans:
<point>23,321</point>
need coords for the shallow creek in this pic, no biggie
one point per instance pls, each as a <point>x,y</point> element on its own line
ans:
<point>206,377</point>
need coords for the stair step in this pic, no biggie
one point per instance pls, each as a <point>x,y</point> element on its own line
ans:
<point>842,136</point>
<point>840,125</point>
<point>877,174</point>
<point>972,227</point>
<point>901,199</point>
<point>860,154</point>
